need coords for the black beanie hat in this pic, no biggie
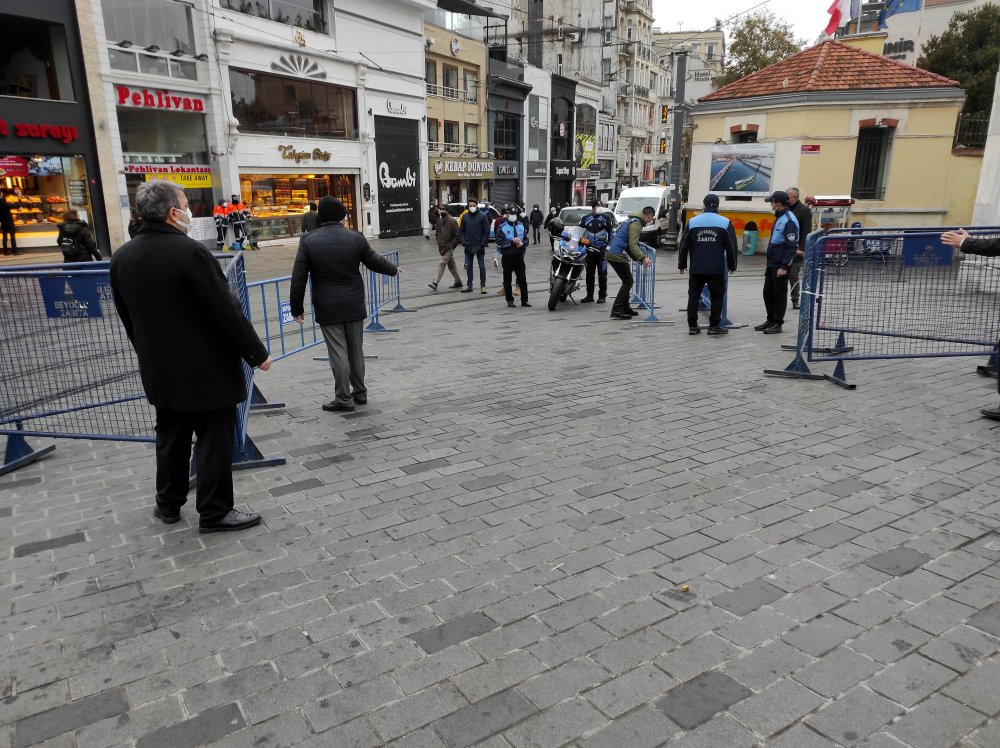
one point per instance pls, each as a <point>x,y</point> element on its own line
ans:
<point>331,209</point>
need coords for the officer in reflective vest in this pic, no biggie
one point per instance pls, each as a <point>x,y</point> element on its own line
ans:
<point>511,240</point>
<point>623,248</point>
<point>781,251</point>
<point>221,216</point>
<point>595,222</point>
<point>710,243</point>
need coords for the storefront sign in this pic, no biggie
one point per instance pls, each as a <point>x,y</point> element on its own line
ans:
<point>463,169</point>
<point>289,152</point>
<point>399,109</point>
<point>71,298</point>
<point>538,169</point>
<point>397,152</point>
<point>810,148</point>
<point>506,170</point>
<point>145,98</point>
<point>13,166</point>
<point>166,169</point>
<point>65,133</point>
<point>563,169</point>
<point>78,192</point>
<point>193,181</point>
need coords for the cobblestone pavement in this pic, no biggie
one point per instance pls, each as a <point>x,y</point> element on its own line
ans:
<point>545,529</point>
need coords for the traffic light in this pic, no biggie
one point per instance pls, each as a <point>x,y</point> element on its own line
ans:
<point>664,109</point>
<point>663,145</point>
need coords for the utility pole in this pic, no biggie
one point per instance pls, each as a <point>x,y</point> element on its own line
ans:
<point>631,120</point>
<point>670,237</point>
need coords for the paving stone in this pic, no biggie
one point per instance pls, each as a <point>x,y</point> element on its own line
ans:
<point>696,657</point>
<point>800,736</point>
<point>508,638</point>
<point>206,727</point>
<point>296,487</point>
<point>498,675</point>
<point>889,641</point>
<point>415,711</point>
<point>748,598</point>
<point>634,616</point>
<point>854,716</point>
<point>434,668</point>
<point>936,722</point>
<point>569,644</point>
<point>898,561</point>
<point>627,691</point>
<point>37,546</point>
<point>350,702</point>
<point>911,679</point>
<point>871,609</point>
<point>644,728</point>
<point>756,628</point>
<point>626,653</point>
<point>68,717</point>
<point>987,620</point>
<point>453,632</point>
<point>960,648</point>
<point>562,682</point>
<point>694,622</point>
<point>837,672</point>
<point>978,688</point>
<point>765,665</point>
<point>482,719</point>
<point>777,707</point>
<point>556,726</point>
<point>831,535</point>
<point>937,615</point>
<point>576,611</point>
<point>821,634</point>
<point>698,700</point>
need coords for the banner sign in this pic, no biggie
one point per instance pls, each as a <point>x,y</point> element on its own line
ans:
<point>742,169</point>
<point>397,153</point>
<point>70,298</point>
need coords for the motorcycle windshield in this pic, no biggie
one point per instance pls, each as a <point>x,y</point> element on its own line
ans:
<point>569,244</point>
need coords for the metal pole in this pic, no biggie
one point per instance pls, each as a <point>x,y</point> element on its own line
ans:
<point>670,237</point>
<point>631,122</point>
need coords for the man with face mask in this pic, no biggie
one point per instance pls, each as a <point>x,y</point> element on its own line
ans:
<point>781,249</point>
<point>512,240</point>
<point>189,334</point>
<point>221,216</point>
<point>623,248</point>
<point>535,218</point>
<point>553,213</point>
<point>595,222</point>
<point>473,234</point>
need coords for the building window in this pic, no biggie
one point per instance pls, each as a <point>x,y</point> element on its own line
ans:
<point>277,105</point>
<point>870,163</point>
<point>430,73</point>
<point>559,64</point>
<point>449,81</point>
<point>152,38</point>
<point>451,137</point>
<point>433,144</point>
<point>35,60</point>
<point>709,53</point>
<point>745,136</point>
<point>306,14</point>
<point>472,139</point>
<point>505,136</point>
<point>471,86</point>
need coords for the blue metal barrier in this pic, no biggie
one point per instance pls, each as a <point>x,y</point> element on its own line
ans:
<point>67,369</point>
<point>893,293</point>
<point>644,290</point>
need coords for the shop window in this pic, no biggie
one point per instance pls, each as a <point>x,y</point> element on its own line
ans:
<point>505,136</point>
<point>433,144</point>
<point>449,81</point>
<point>38,190</point>
<point>871,162</point>
<point>472,139</point>
<point>430,73</point>
<point>158,137</point>
<point>152,38</point>
<point>471,86</point>
<point>306,14</point>
<point>277,105</point>
<point>451,137</point>
<point>277,201</point>
<point>34,61</point>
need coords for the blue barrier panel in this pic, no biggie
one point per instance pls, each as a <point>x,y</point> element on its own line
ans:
<point>893,293</point>
<point>67,369</point>
<point>644,290</point>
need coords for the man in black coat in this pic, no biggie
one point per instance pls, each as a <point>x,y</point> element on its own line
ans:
<point>332,255</point>
<point>189,334</point>
<point>804,216</point>
<point>963,240</point>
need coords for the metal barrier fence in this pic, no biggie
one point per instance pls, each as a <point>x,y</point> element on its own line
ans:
<point>644,290</point>
<point>885,294</point>
<point>68,370</point>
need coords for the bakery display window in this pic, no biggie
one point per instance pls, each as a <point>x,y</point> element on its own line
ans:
<point>277,201</point>
<point>40,189</point>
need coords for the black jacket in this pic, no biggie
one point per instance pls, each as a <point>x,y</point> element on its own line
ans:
<point>6,216</point>
<point>86,247</point>
<point>805,218</point>
<point>985,247</point>
<point>133,227</point>
<point>189,332</point>
<point>474,231</point>
<point>310,221</point>
<point>536,217</point>
<point>710,242</point>
<point>331,255</point>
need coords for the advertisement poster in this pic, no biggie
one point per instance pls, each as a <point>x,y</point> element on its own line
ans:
<point>742,169</point>
<point>397,154</point>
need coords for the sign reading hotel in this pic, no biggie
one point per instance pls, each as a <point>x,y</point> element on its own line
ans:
<point>471,169</point>
<point>146,98</point>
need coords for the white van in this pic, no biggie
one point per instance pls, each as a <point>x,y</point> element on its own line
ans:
<point>632,199</point>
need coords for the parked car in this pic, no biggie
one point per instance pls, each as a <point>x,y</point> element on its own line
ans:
<point>457,209</point>
<point>571,214</point>
<point>633,199</point>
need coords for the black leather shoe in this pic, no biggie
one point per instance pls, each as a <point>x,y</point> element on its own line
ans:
<point>991,413</point>
<point>718,331</point>
<point>166,517</point>
<point>361,399</point>
<point>616,315</point>
<point>795,305</point>
<point>525,303</point>
<point>773,330</point>
<point>334,406</point>
<point>455,285</point>
<point>694,330</point>
<point>587,300</point>
<point>602,299</point>
<point>510,304</point>
<point>633,312</point>
<point>235,520</point>
<point>763,326</point>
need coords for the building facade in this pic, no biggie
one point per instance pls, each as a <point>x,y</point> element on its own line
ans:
<point>507,94</point>
<point>537,124</point>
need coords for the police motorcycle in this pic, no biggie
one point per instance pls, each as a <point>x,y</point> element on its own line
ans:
<point>569,259</point>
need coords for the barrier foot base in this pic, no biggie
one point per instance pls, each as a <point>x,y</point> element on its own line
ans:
<point>19,453</point>
<point>798,369</point>
<point>400,308</point>
<point>730,325</point>
<point>375,326</point>
<point>250,457</point>
<point>653,319</point>
<point>986,371</point>
<point>259,402</point>
<point>839,377</point>
<point>326,359</point>
<point>824,351</point>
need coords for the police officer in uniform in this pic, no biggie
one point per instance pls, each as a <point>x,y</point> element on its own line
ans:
<point>595,222</point>
<point>781,251</point>
<point>710,242</point>
<point>511,242</point>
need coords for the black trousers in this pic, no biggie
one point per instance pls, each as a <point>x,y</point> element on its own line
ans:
<point>624,271</point>
<point>716,283</point>
<point>536,234</point>
<point>514,264</point>
<point>216,432</point>
<point>220,237</point>
<point>7,229</point>
<point>596,264</point>
<point>794,287</point>
<point>775,295</point>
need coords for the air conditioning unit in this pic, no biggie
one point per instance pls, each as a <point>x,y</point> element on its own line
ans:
<point>574,37</point>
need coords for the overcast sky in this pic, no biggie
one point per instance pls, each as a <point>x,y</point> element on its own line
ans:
<point>808,18</point>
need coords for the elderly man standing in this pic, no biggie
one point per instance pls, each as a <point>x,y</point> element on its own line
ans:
<point>331,255</point>
<point>804,217</point>
<point>189,334</point>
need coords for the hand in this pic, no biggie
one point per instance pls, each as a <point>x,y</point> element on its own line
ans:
<point>782,272</point>
<point>681,270</point>
<point>955,238</point>
<point>646,262</point>
<point>266,365</point>
<point>300,319</point>
<point>399,270</point>
<point>800,253</point>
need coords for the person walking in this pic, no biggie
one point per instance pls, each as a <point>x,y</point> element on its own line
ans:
<point>781,249</point>
<point>623,248</point>
<point>512,245</point>
<point>474,234</point>
<point>446,231</point>
<point>221,215</point>
<point>804,217</point>
<point>75,240</point>
<point>310,219</point>
<point>237,214</point>
<point>190,335</point>
<point>536,218</point>
<point>330,256</point>
<point>553,214</point>
<point>710,243</point>
<point>7,225</point>
<point>595,222</point>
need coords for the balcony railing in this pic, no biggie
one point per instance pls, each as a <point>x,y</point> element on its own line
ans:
<point>442,92</point>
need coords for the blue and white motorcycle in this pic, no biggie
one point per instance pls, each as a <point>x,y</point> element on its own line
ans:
<point>569,259</point>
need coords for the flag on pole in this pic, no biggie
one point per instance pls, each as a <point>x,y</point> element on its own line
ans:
<point>840,13</point>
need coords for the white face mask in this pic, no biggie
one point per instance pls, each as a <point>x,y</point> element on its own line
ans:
<point>473,208</point>
<point>185,227</point>
<point>512,219</point>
